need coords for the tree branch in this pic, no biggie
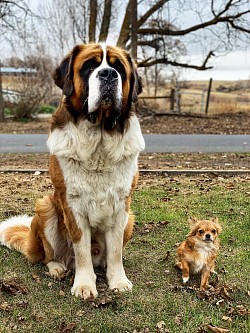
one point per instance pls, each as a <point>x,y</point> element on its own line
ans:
<point>125,31</point>
<point>213,21</point>
<point>151,11</point>
<point>149,62</point>
<point>237,27</point>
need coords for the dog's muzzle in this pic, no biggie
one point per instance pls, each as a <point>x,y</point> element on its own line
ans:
<point>109,101</point>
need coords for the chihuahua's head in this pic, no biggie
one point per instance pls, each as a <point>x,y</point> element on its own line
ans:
<point>205,230</point>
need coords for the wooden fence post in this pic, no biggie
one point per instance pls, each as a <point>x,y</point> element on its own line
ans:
<point>172,94</point>
<point>208,95</point>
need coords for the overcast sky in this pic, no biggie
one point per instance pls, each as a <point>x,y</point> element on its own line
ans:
<point>234,66</point>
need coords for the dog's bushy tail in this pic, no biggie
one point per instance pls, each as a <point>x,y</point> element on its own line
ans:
<point>22,232</point>
<point>14,232</point>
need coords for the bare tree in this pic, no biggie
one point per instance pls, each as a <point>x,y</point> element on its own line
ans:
<point>105,21</point>
<point>92,20</point>
<point>163,30</point>
<point>13,15</point>
<point>223,23</point>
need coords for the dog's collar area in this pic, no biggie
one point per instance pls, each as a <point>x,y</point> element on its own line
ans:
<point>109,123</point>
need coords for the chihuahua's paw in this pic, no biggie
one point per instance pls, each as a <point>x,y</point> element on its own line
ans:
<point>185,279</point>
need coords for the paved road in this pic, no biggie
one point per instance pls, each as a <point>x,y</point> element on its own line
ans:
<point>169,143</point>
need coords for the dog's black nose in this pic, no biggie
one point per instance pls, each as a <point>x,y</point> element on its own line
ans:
<point>108,74</point>
<point>208,236</point>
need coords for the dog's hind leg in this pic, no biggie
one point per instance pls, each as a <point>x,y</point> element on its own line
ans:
<point>48,230</point>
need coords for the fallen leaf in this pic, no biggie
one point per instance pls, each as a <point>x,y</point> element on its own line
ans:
<point>22,304</point>
<point>61,293</point>
<point>161,327</point>
<point>242,311</point>
<point>38,316</point>
<point>166,257</point>
<point>36,278</point>
<point>216,294</point>
<point>80,313</point>
<point>104,301</point>
<point>161,324</point>
<point>12,287</point>
<point>215,329</point>
<point>178,320</point>
<point>152,226</point>
<point>65,328</point>
<point>5,306</point>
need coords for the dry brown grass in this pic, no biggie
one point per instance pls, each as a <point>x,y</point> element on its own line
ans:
<point>193,97</point>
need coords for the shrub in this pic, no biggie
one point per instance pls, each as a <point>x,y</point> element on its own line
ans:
<point>46,109</point>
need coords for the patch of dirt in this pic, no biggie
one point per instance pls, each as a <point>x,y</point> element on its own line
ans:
<point>39,126</point>
<point>227,123</point>
<point>229,161</point>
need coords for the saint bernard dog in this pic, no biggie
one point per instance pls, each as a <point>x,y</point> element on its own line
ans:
<point>94,144</point>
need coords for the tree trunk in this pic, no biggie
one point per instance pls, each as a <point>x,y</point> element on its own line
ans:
<point>92,20</point>
<point>133,18</point>
<point>105,21</point>
<point>1,97</point>
<point>124,33</point>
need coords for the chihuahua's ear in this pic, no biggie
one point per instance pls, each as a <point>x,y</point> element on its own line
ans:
<point>217,224</point>
<point>192,221</point>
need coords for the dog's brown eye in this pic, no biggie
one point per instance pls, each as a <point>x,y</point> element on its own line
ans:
<point>201,232</point>
<point>117,65</point>
<point>213,231</point>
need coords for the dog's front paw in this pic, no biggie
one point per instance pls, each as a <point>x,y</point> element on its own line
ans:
<point>56,269</point>
<point>86,292</point>
<point>121,286</point>
<point>185,279</point>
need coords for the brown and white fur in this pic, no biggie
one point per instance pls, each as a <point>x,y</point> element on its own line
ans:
<point>197,254</point>
<point>94,144</point>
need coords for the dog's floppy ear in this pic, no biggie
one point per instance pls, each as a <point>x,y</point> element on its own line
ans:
<point>135,81</point>
<point>63,75</point>
<point>137,89</point>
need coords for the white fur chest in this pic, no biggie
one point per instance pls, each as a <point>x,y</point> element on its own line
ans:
<point>202,258</point>
<point>98,168</point>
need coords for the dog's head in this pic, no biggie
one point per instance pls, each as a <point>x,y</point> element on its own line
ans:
<point>205,230</point>
<point>100,83</point>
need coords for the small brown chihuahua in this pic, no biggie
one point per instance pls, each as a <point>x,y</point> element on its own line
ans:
<point>197,254</point>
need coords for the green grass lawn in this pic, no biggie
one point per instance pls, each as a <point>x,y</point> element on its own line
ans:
<point>158,302</point>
